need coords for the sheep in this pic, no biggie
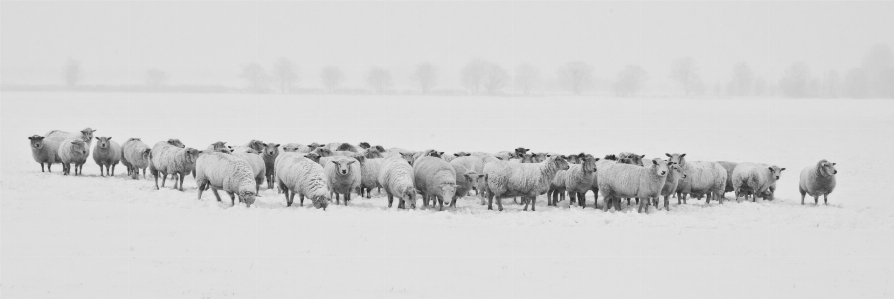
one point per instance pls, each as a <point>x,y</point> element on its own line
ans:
<point>476,164</point>
<point>42,153</point>
<point>631,158</point>
<point>254,159</point>
<point>670,184</point>
<point>572,159</point>
<point>256,145</point>
<point>818,180</point>
<point>364,145</point>
<point>136,153</point>
<point>73,151</point>
<point>729,166</point>
<point>579,180</point>
<point>297,174</point>
<point>504,179</point>
<point>106,153</point>
<point>702,177</point>
<point>176,142</point>
<point>369,176</point>
<point>269,154</point>
<point>427,153</point>
<point>505,156</point>
<point>54,138</point>
<point>396,178</point>
<point>754,178</point>
<point>405,155</point>
<point>448,157</point>
<point>466,180</point>
<point>342,176</point>
<point>435,179</point>
<point>621,180</point>
<point>227,172</point>
<point>167,158</point>
<point>323,152</point>
<point>556,190</point>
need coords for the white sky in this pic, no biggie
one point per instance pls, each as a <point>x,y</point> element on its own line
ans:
<point>205,42</point>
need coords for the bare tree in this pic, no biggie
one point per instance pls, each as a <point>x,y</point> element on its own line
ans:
<point>495,79</point>
<point>575,76</point>
<point>72,72</point>
<point>426,75</point>
<point>155,78</point>
<point>472,75</point>
<point>742,80</point>
<point>256,77</point>
<point>795,80</point>
<point>527,77</point>
<point>332,77</point>
<point>286,72</point>
<point>379,79</point>
<point>856,84</point>
<point>685,72</point>
<point>630,80</point>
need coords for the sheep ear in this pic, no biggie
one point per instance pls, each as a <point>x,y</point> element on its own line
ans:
<point>277,145</point>
<point>683,155</point>
<point>480,176</point>
<point>74,142</point>
<point>655,162</point>
<point>771,168</point>
<point>97,138</point>
<point>781,169</point>
<point>668,155</point>
<point>642,156</point>
<point>110,138</point>
<point>833,164</point>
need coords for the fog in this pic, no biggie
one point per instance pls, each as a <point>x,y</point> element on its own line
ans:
<point>208,42</point>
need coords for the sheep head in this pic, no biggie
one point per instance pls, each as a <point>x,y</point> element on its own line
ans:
<point>191,154</point>
<point>103,142</point>
<point>826,168</point>
<point>323,152</point>
<point>775,172</point>
<point>380,148</point>
<point>558,162</point>
<point>677,158</point>
<point>660,166</point>
<point>343,166</point>
<point>88,133</point>
<point>320,201</point>
<point>79,147</point>
<point>219,146</point>
<point>448,191</point>
<point>518,152</point>
<point>676,171</point>
<point>248,197</point>
<point>271,149</point>
<point>176,142</point>
<point>313,157</point>
<point>36,141</point>
<point>409,198</point>
<point>364,145</point>
<point>372,153</point>
<point>588,163</point>
<point>408,157</point>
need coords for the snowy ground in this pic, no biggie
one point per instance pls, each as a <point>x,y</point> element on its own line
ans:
<point>94,237</point>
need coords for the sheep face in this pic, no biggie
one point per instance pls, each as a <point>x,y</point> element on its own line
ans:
<point>364,145</point>
<point>248,197</point>
<point>827,168</point>
<point>371,153</point>
<point>519,152</point>
<point>677,171</point>
<point>192,154</point>
<point>313,157</point>
<point>102,142</point>
<point>323,152</point>
<point>343,167</point>
<point>289,148</point>
<point>409,198</point>
<point>473,177</point>
<point>380,148</point>
<point>314,146</point>
<point>271,149</point>
<point>220,146</point>
<point>588,163</point>
<point>676,158</point>
<point>432,153</point>
<point>448,191</point>
<point>660,167</point>
<point>36,141</point>
<point>176,142</point>
<point>88,133</point>
<point>256,145</point>
<point>79,147</point>
<point>408,157</point>
<point>527,158</point>
<point>560,163</point>
<point>320,202</point>
<point>775,172</point>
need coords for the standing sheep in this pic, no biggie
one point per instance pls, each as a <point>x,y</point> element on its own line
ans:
<point>106,153</point>
<point>253,158</point>
<point>73,151</point>
<point>466,180</point>
<point>579,180</point>
<point>396,177</point>
<point>818,180</point>
<point>702,177</point>
<point>42,153</point>
<point>227,172</point>
<point>369,173</point>
<point>435,179</point>
<point>136,153</point>
<point>166,158</point>
<point>297,174</point>
<point>729,166</point>
<point>505,179</point>
<point>342,176</point>
<point>621,180</point>
<point>670,183</point>
<point>271,151</point>
<point>556,192</point>
<point>755,179</point>
<point>476,164</point>
<point>54,139</point>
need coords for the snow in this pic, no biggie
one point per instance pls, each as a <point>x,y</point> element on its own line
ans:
<point>95,237</point>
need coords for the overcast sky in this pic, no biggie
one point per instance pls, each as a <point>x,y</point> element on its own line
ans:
<point>206,42</point>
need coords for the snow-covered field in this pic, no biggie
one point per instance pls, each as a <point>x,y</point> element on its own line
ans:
<point>95,237</point>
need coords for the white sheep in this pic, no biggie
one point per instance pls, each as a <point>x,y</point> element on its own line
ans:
<point>256,162</point>
<point>135,155</point>
<point>729,166</point>
<point>297,174</point>
<point>42,153</point>
<point>506,179</point>
<point>106,153</point>
<point>256,145</point>
<point>435,179</point>
<point>396,178</point>
<point>818,180</point>
<point>228,173</point>
<point>271,151</point>
<point>702,177</point>
<point>72,151</point>
<point>369,176</point>
<point>621,180</point>
<point>466,180</point>
<point>670,183</point>
<point>579,179</point>
<point>755,179</point>
<point>166,158</point>
<point>342,175</point>
<point>53,139</point>
<point>476,164</point>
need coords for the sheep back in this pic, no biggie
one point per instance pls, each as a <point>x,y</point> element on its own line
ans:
<point>168,159</point>
<point>226,172</point>
<point>434,177</point>
<point>302,176</point>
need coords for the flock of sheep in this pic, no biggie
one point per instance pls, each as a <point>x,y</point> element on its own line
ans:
<point>334,171</point>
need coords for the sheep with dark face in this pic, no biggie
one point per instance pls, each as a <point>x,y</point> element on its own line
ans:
<point>818,180</point>
<point>135,155</point>
<point>621,180</point>
<point>342,175</point>
<point>435,179</point>
<point>227,172</point>
<point>42,153</point>
<point>73,151</point>
<point>166,158</point>
<point>106,153</point>
<point>507,179</point>
<point>755,179</point>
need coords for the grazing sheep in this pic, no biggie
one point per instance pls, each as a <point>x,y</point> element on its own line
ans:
<point>729,166</point>
<point>396,177</point>
<point>342,175</point>
<point>466,180</point>
<point>579,179</point>
<point>296,174</point>
<point>505,179</point>
<point>167,158</point>
<point>670,183</point>
<point>136,153</point>
<point>818,180</point>
<point>227,172</point>
<point>254,159</point>
<point>702,177</point>
<point>755,179</point>
<point>42,153</point>
<point>73,151</point>
<point>106,153</point>
<point>435,179</point>
<point>369,176</point>
<point>269,154</point>
<point>621,180</point>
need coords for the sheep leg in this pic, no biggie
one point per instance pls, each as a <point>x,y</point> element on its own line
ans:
<point>113,169</point>
<point>164,176</point>
<point>347,198</point>
<point>201,188</point>
<point>533,200</point>
<point>49,167</point>
<point>440,203</point>
<point>181,182</point>
<point>816,200</point>
<point>525,200</point>
<point>300,199</point>
<point>214,191</point>
<point>826,199</point>
<point>390,200</point>
<point>582,198</point>
<point>232,198</point>
<point>499,203</point>
<point>292,198</point>
<point>337,199</point>
<point>100,171</point>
